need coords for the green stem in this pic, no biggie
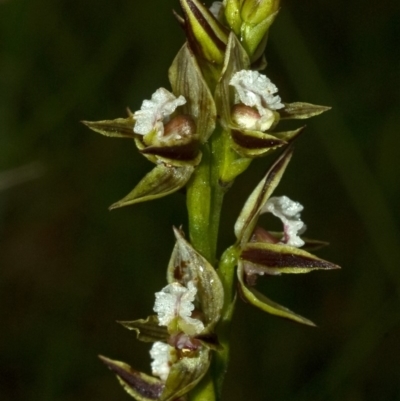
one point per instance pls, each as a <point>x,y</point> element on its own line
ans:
<point>226,272</point>
<point>204,201</point>
<point>199,205</point>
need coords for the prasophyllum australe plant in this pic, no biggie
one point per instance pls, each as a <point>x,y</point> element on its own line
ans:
<point>219,114</point>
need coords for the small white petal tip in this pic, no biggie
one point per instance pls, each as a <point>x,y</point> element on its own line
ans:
<point>289,213</point>
<point>162,355</point>
<point>256,90</point>
<point>155,112</point>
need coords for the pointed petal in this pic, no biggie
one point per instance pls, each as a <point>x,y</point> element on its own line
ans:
<point>179,155</point>
<point>187,80</point>
<point>161,181</point>
<point>147,330</point>
<point>254,143</point>
<point>187,264</point>
<point>265,304</point>
<point>309,244</point>
<point>138,385</point>
<point>247,219</point>
<point>118,128</point>
<point>276,258</point>
<point>185,374</point>
<point>289,136</point>
<point>301,110</point>
<point>205,34</point>
<point>236,59</point>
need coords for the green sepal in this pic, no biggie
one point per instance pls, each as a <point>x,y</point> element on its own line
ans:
<point>138,385</point>
<point>118,128</point>
<point>301,110</point>
<point>248,216</point>
<point>253,144</point>
<point>187,80</point>
<point>161,181</point>
<point>185,374</point>
<point>147,330</point>
<point>275,259</point>
<point>206,35</point>
<point>236,59</point>
<point>187,264</point>
<point>260,301</point>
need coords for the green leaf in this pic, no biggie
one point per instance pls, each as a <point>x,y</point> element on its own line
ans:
<point>118,128</point>
<point>187,80</point>
<point>138,385</point>
<point>260,301</point>
<point>248,216</point>
<point>185,374</point>
<point>187,264</point>
<point>206,35</point>
<point>147,330</point>
<point>161,181</point>
<point>301,110</point>
<point>276,259</point>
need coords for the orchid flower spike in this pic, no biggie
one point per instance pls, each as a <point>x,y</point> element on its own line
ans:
<point>155,112</point>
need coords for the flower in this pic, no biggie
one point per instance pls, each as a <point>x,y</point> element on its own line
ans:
<point>255,90</point>
<point>155,112</point>
<point>163,357</point>
<point>174,303</point>
<point>263,252</point>
<point>289,213</point>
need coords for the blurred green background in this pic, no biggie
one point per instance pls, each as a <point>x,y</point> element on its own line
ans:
<point>69,268</point>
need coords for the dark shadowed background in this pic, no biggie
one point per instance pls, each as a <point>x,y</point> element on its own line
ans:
<point>69,268</point>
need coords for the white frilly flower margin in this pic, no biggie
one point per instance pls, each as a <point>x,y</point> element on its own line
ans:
<point>175,302</point>
<point>155,112</point>
<point>256,90</point>
<point>289,213</point>
<point>162,355</point>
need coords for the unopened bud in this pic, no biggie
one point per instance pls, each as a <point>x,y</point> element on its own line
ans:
<point>206,35</point>
<point>232,14</point>
<point>255,11</point>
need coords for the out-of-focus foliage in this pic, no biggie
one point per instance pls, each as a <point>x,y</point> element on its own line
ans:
<point>69,268</point>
